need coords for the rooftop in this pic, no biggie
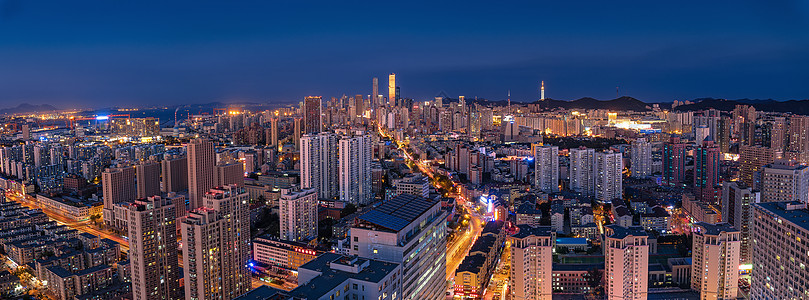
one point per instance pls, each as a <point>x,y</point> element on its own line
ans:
<point>472,263</point>
<point>395,214</point>
<point>331,278</point>
<point>715,229</point>
<point>619,232</point>
<point>527,230</point>
<point>790,211</point>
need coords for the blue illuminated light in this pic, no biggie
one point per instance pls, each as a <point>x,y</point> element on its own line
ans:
<point>99,118</point>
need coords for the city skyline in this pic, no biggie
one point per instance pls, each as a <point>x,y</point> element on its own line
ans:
<point>250,52</point>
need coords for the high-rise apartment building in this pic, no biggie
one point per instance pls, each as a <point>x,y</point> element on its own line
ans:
<point>784,181</point>
<point>409,230</point>
<point>312,114</point>
<point>274,133</point>
<point>626,265</point>
<point>298,214</point>
<point>798,137</point>
<point>118,186</point>
<point>641,158</point>
<point>674,156</point>
<point>531,273</point>
<point>752,159</point>
<point>201,162</point>
<point>216,245</point>
<point>319,164</point>
<point>153,249</point>
<point>582,171</point>
<point>297,131</point>
<point>737,210</point>
<point>546,163</point>
<point>780,251</point>
<point>715,261</point>
<point>355,169</point>
<point>148,177</point>
<point>229,173</point>
<point>608,175</point>
<point>175,173</point>
<point>706,171</point>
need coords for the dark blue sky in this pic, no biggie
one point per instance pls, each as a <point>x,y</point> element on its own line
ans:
<point>101,53</point>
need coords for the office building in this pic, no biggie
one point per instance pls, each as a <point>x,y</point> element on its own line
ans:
<point>118,186</point>
<point>674,155</point>
<point>216,240</point>
<point>175,173</point>
<point>375,94</point>
<point>418,185</point>
<point>312,114</point>
<point>582,171</point>
<point>298,214</point>
<point>706,171</point>
<point>641,158</point>
<point>780,251</point>
<point>319,164</point>
<point>715,261</point>
<point>784,181</point>
<point>153,249</point>
<point>229,173</point>
<point>355,170</point>
<point>408,230</point>
<point>626,265</point>
<point>737,210</point>
<point>392,94</point>
<point>546,163</point>
<point>531,273</point>
<point>752,159</point>
<point>608,175</point>
<point>201,177</point>
<point>297,131</point>
<point>283,254</point>
<point>148,177</point>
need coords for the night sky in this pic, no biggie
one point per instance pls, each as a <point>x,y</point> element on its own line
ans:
<point>133,53</point>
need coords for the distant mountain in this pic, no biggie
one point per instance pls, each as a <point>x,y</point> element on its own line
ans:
<point>618,104</point>
<point>800,107</point>
<point>27,108</point>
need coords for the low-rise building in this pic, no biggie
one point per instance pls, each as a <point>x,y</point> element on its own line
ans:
<point>283,254</point>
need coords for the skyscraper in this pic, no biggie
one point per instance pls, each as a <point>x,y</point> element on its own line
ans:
<point>706,171</point>
<point>780,251</point>
<point>312,114</point>
<point>153,249</point>
<point>297,131</point>
<point>546,163</point>
<point>118,186</point>
<point>532,262</point>
<point>582,171</point>
<point>201,162</point>
<point>148,176</point>
<point>626,265</point>
<point>715,261</point>
<point>229,173</point>
<point>355,169</point>
<point>798,137</point>
<point>273,137</point>
<point>319,167</point>
<point>674,155</point>
<point>752,159</point>
<point>409,230</point>
<point>216,240</point>
<point>175,173</point>
<point>641,158</point>
<point>298,214</point>
<point>784,181</point>
<point>375,93</point>
<point>392,95</point>
<point>608,175</point>
<point>737,210</point>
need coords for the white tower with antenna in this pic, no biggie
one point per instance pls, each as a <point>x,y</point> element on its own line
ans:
<point>542,90</point>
